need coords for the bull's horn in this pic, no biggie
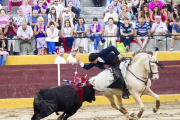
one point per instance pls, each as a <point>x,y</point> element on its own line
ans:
<point>97,89</point>
<point>156,54</point>
<point>85,76</point>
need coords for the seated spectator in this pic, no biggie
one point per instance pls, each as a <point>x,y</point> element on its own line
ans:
<point>145,13</point>
<point>156,12</point>
<point>116,8</point>
<point>96,33</point>
<point>97,3</point>
<point>32,3</point>
<point>40,34</point>
<point>128,5</point>
<point>165,15</point>
<point>3,19</point>
<point>154,3</point>
<point>72,8</point>
<point>58,7</point>
<point>3,51</point>
<point>142,30</point>
<point>52,17</point>
<point>176,3</point>
<point>140,5</point>
<point>135,4</point>
<point>59,59</point>
<point>127,32</point>
<point>112,14</point>
<point>158,28</point>
<point>67,32</point>
<point>67,14</point>
<point>168,3</point>
<point>11,32</point>
<point>110,30</point>
<point>33,19</point>
<point>124,13</point>
<point>25,34</point>
<point>71,58</point>
<point>175,31</point>
<point>76,4</point>
<point>41,8</point>
<point>19,18</point>
<point>81,28</point>
<point>175,14</point>
<point>14,3</point>
<point>26,8</point>
<point>52,33</point>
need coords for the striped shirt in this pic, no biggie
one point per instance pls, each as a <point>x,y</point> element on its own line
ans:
<point>128,29</point>
<point>142,30</point>
<point>4,21</point>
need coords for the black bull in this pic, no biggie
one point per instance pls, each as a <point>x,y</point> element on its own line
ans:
<point>67,99</point>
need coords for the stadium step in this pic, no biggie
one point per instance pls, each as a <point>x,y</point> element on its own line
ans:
<point>89,3</point>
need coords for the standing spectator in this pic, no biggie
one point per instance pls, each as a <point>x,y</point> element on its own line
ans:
<point>67,32</point>
<point>3,19</point>
<point>165,15</point>
<point>52,33</point>
<point>175,31</point>
<point>41,8</point>
<point>59,59</point>
<point>97,3</point>
<point>156,12</point>
<point>142,29</point>
<point>154,3</point>
<point>26,8</point>
<point>112,14</point>
<point>58,7</point>
<point>40,34</point>
<point>124,13</point>
<point>25,33</point>
<point>140,5</point>
<point>76,4</point>
<point>175,14</point>
<point>116,8</point>
<point>71,58</point>
<point>145,13</point>
<point>3,51</point>
<point>158,28</point>
<point>96,33</point>
<point>81,28</point>
<point>127,31</point>
<point>33,19</point>
<point>110,30</point>
<point>32,2</point>
<point>52,17</point>
<point>18,19</point>
<point>14,3</point>
<point>11,32</point>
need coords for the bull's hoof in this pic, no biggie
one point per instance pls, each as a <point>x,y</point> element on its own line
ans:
<point>155,110</point>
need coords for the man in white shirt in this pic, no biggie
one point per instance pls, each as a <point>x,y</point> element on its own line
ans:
<point>58,7</point>
<point>112,14</point>
<point>71,58</point>
<point>158,28</point>
<point>59,59</point>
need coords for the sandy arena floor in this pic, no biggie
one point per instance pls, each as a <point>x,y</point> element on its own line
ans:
<point>168,111</point>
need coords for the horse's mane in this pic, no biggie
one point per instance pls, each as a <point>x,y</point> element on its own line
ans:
<point>141,51</point>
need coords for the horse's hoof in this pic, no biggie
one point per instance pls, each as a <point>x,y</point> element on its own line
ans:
<point>133,114</point>
<point>155,110</point>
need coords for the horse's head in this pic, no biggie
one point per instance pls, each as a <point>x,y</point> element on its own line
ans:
<point>152,66</point>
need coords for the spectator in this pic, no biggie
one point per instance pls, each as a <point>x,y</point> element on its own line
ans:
<point>59,59</point>
<point>116,8</point>
<point>112,14</point>
<point>148,1</point>
<point>67,32</point>
<point>32,2</point>
<point>14,3</point>
<point>76,4</point>
<point>145,13</point>
<point>165,15</point>
<point>96,33</point>
<point>3,51</point>
<point>58,7</point>
<point>25,33</point>
<point>176,3</point>
<point>97,3</point>
<point>81,28</point>
<point>156,12</point>
<point>71,58</point>
<point>18,19</point>
<point>52,17</point>
<point>140,5</point>
<point>124,13</point>
<point>135,4</point>
<point>67,14</point>
<point>52,33</point>
<point>3,19</point>
<point>175,14</point>
<point>33,18</point>
<point>41,8</point>
<point>154,3</point>
<point>127,32</point>
<point>128,5</point>
<point>0,29</point>
<point>142,29</point>
<point>26,8</point>
<point>40,34</point>
<point>110,30</point>
<point>158,28</point>
<point>175,31</point>
<point>11,32</point>
<point>168,3</point>
<point>72,8</point>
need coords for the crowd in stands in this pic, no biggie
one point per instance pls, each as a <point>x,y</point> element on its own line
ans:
<point>39,23</point>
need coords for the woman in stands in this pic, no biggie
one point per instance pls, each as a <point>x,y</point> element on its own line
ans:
<point>26,8</point>
<point>140,5</point>
<point>124,13</point>
<point>40,34</point>
<point>3,19</point>
<point>52,17</point>
<point>156,12</point>
<point>165,15</point>
<point>145,13</point>
<point>127,31</point>
<point>175,14</point>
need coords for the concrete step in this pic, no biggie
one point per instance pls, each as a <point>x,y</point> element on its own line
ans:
<point>5,2</point>
<point>89,3</point>
<point>85,16</point>
<point>90,21</point>
<point>92,9</point>
<point>92,12</point>
<point>13,9</point>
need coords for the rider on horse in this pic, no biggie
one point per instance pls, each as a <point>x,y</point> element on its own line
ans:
<point>107,57</point>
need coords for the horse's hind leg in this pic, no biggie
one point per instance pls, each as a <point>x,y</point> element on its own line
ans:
<point>111,99</point>
<point>151,93</point>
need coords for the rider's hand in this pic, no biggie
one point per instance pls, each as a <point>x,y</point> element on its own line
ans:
<point>120,57</point>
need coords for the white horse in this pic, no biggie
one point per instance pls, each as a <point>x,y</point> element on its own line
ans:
<point>136,78</point>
